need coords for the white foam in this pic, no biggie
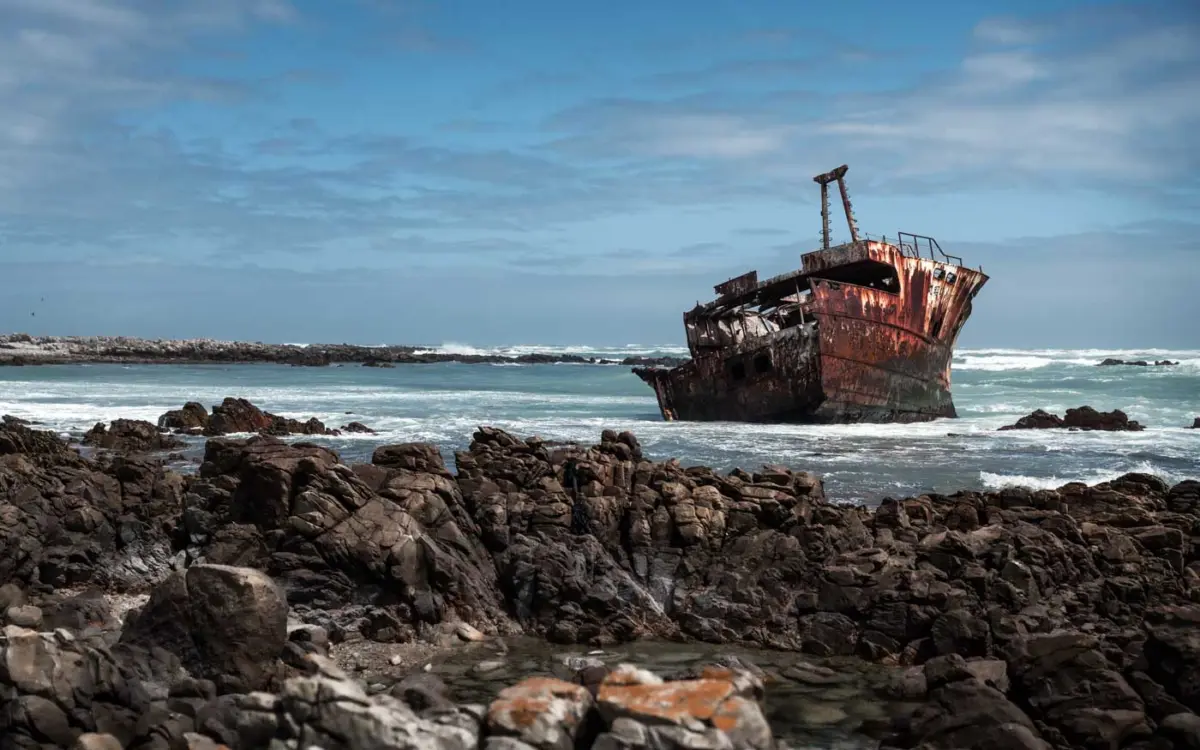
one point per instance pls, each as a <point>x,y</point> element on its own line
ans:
<point>993,481</point>
<point>997,360</point>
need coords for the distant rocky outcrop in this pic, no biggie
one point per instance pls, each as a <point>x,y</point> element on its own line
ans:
<point>1082,418</point>
<point>19,348</point>
<point>1109,362</point>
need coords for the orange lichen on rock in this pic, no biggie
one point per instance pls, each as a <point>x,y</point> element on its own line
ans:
<point>721,701</point>
<point>541,711</point>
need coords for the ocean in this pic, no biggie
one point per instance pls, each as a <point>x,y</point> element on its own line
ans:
<point>444,403</point>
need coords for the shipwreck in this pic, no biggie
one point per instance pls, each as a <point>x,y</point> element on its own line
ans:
<point>862,332</point>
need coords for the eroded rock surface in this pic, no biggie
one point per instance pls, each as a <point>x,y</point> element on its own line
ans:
<point>1062,618</point>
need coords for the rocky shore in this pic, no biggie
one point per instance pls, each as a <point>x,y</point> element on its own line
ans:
<point>281,598</point>
<point>22,349</point>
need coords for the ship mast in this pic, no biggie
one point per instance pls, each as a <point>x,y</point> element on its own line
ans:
<point>823,180</point>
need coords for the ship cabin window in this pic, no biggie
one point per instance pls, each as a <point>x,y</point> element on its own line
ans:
<point>868,273</point>
<point>937,273</point>
<point>950,277</point>
<point>762,363</point>
<point>738,370</point>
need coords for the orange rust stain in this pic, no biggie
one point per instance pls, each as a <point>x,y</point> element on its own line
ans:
<point>673,701</point>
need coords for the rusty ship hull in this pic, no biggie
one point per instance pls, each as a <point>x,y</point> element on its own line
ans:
<point>862,332</point>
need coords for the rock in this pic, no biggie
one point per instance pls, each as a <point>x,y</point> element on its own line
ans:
<point>66,521</point>
<point>26,616</point>
<point>224,623</point>
<point>1173,652</point>
<point>358,427</point>
<point>192,418</point>
<point>131,436</point>
<point>40,446</point>
<point>1082,418</point>
<point>1196,423</point>
<point>237,415</point>
<point>542,712</point>
<point>718,710</point>
<point>95,741</point>
<point>1037,420</point>
<point>1182,730</point>
<point>1069,684</point>
<point>1110,361</point>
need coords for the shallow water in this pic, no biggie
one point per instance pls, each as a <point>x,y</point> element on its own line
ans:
<point>811,703</point>
<point>444,403</point>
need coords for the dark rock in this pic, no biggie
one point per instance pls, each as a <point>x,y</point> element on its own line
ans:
<point>237,415</point>
<point>1173,652</point>
<point>131,436</point>
<point>1110,361</point>
<point>1182,730</point>
<point>40,446</point>
<point>192,418</point>
<point>358,427</point>
<point>224,623</point>
<point>1038,420</point>
<point>1082,418</point>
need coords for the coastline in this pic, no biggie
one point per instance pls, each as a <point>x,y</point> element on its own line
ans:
<point>968,602</point>
<point>19,349</point>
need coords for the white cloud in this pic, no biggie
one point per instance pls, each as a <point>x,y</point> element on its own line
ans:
<point>1007,31</point>
<point>712,137</point>
<point>1125,110</point>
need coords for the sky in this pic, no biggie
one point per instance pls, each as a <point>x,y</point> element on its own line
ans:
<point>424,171</point>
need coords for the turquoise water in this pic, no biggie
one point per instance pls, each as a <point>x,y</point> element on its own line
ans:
<point>444,403</point>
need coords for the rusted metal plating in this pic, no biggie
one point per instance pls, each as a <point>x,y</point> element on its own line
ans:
<point>863,331</point>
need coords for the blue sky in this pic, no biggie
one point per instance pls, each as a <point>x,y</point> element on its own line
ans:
<point>550,172</point>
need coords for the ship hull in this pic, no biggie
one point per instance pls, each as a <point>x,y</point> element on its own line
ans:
<point>815,377</point>
<point>862,333</point>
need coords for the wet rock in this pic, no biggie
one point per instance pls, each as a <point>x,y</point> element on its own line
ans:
<point>237,415</point>
<point>131,436</point>
<point>192,418</point>
<point>358,428</point>
<point>1081,418</point>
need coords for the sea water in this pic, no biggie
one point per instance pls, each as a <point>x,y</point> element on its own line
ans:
<point>445,403</point>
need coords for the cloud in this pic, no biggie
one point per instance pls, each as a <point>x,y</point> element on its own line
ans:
<point>1109,98</point>
<point>124,134</point>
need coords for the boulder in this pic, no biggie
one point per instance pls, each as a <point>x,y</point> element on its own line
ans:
<point>192,418</point>
<point>237,415</point>
<point>224,623</point>
<point>131,436</point>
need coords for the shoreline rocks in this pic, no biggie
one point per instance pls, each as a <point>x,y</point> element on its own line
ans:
<point>1083,418</point>
<point>1110,362</point>
<point>23,349</point>
<point>1014,607</point>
